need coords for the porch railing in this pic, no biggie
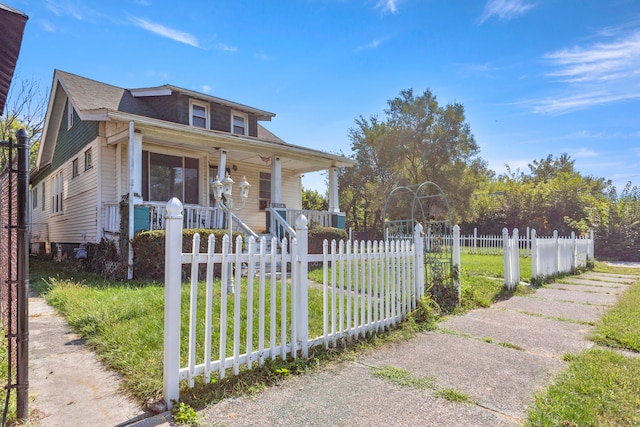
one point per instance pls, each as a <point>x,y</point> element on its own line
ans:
<point>193,217</point>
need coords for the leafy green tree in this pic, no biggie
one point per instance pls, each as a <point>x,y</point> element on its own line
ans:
<point>314,201</point>
<point>417,141</point>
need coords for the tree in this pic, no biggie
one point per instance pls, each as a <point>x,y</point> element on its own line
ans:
<point>25,108</point>
<point>417,141</point>
<point>313,201</point>
<point>552,197</point>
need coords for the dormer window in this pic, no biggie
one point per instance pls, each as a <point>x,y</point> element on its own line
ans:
<point>199,114</point>
<point>239,123</point>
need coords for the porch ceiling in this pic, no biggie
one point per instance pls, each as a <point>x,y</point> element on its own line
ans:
<point>240,149</point>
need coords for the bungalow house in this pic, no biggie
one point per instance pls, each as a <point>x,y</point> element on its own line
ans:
<point>103,144</point>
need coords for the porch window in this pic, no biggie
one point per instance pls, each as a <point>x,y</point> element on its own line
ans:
<point>165,176</point>
<point>199,114</point>
<point>239,123</point>
<point>264,196</point>
<point>56,193</point>
<point>43,195</point>
<point>34,197</point>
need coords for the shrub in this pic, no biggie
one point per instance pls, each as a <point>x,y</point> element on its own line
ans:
<point>149,249</point>
<point>318,235</point>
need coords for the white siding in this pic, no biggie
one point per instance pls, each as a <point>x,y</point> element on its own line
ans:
<point>77,222</point>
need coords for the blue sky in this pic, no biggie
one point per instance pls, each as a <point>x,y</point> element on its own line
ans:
<point>536,77</point>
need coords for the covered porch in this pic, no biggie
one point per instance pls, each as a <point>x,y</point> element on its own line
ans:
<point>156,160</point>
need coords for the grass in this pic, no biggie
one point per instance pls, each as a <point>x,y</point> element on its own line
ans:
<point>620,326</point>
<point>600,386</point>
<point>4,372</point>
<point>404,378</point>
<point>123,321</point>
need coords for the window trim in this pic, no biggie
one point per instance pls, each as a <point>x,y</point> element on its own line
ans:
<point>44,199</point>
<point>69,114</point>
<point>57,193</point>
<point>245,117</point>
<point>207,113</point>
<point>75,168</point>
<point>88,164</point>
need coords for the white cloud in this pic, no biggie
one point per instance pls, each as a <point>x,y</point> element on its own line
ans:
<point>505,10</point>
<point>47,26</point>
<point>585,152</point>
<point>65,7</point>
<point>206,88</point>
<point>372,45</point>
<point>262,56</point>
<point>225,47</point>
<point>600,62</point>
<point>388,5</point>
<point>170,33</point>
<point>600,73</point>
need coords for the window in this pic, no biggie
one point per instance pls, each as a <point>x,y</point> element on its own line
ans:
<point>264,196</point>
<point>165,176</point>
<point>88,159</point>
<point>199,115</point>
<point>74,168</point>
<point>34,197</point>
<point>56,193</point>
<point>239,123</point>
<point>69,114</point>
<point>43,195</point>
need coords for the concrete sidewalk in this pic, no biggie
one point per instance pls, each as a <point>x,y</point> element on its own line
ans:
<point>499,356</point>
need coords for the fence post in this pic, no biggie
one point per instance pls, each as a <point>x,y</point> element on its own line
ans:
<point>456,259</point>
<point>534,254</point>
<point>556,258</point>
<point>418,262</point>
<point>302,282</point>
<point>172,282</point>
<point>527,244</point>
<point>591,246</point>
<point>475,239</point>
<point>515,259</point>
<point>574,252</point>
<point>505,252</point>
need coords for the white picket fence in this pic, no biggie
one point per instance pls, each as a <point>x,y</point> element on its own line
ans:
<point>549,255</point>
<point>367,287</point>
<point>486,244</point>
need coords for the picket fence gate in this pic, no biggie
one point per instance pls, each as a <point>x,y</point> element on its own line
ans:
<point>367,287</point>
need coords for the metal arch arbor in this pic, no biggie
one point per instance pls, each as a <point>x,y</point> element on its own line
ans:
<point>428,205</point>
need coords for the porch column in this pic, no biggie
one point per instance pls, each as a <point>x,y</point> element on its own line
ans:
<point>134,163</point>
<point>333,190</point>
<point>222,166</point>
<point>276,181</point>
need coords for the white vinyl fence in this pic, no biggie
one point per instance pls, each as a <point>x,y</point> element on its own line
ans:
<point>549,255</point>
<point>366,288</point>
<point>486,244</point>
<point>553,255</point>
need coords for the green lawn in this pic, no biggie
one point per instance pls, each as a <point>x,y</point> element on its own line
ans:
<point>600,386</point>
